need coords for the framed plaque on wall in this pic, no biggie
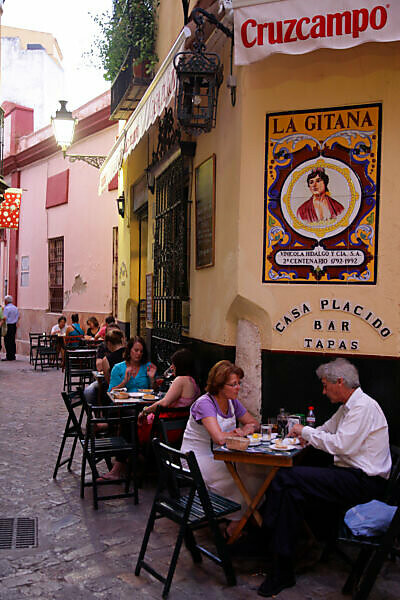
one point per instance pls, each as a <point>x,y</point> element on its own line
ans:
<point>205,213</point>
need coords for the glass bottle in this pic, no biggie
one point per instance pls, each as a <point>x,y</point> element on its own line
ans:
<point>310,419</point>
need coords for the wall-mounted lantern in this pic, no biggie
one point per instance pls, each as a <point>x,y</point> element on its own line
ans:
<point>64,129</point>
<point>199,76</point>
<point>151,180</point>
<point>121,205</point>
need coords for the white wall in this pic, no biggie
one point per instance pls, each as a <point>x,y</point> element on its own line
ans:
<point>30,78</point>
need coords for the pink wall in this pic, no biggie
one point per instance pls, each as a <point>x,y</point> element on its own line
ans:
<point>86,223</point>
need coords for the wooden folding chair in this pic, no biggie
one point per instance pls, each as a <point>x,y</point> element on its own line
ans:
<point>196,509</point>
<point>374,550</point>
<point>123,445</point>
<point>73,428</point>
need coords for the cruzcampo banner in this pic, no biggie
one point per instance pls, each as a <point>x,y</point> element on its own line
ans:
<point>300,26</point>
<point>9,208</point>
<point>322,170</point>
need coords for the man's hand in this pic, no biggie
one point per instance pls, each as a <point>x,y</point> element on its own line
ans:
<point>296,430</point>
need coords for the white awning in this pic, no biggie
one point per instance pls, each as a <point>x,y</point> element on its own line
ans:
<point>264,27</point>
<point>157,97</point>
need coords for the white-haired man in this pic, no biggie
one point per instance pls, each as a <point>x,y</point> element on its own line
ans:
<point>11,314</point>
<point>357,437</point>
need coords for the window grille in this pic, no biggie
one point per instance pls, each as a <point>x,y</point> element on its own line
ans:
<point>56,274</point>
<point>171,285</point>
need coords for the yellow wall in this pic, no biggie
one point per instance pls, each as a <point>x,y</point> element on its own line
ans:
<point>169,24</point>
<point>325,78</point>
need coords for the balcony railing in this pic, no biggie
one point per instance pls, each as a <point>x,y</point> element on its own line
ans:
<point>128,88</point>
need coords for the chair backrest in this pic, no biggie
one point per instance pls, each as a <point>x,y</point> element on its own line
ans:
<point>74,404</point>
<point>80,359</point>
<point>73,341</point>
<point>171,424</point>
<point>123,419</point>
<point>180,469</point>
<point>47,341</point>
<point>392,495</point>
<point>33,337</point>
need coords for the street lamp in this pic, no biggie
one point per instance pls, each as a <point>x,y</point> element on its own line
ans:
<point>64,129</point>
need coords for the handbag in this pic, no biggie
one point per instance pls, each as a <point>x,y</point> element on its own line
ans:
<point>3,329</point>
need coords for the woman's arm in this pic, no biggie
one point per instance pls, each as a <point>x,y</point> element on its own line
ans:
<point>217,435</point>
<point>105,367</point>
<point>174,393</point>
<point>120,375</point>
<point>250,423</point>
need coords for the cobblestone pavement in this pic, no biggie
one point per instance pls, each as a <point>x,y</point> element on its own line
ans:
<point>88,554</point>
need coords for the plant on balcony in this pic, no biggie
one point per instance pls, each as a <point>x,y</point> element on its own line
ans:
<point>131,26</point>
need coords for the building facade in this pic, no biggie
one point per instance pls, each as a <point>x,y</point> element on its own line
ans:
<point>29,57</point>
<point>234,251</point>
<point>60,260</point>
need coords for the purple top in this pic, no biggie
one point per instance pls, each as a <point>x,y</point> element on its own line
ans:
<point>207,406</point>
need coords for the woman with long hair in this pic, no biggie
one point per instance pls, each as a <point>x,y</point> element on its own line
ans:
<point>135,372</point>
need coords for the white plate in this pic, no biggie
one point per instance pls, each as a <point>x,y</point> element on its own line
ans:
<point>135,394</point>
<point>287,447</point>
<point>254,441</point>
<point>291,441</point>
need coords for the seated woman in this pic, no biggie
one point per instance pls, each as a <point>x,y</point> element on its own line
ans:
<point>93,327</point>
<point>183,392</point>
<point>61,327</point>
<point>74,330</point>
<point>103,329</point>
<point>135,372</point>
<point>214,416</point>
<point>115,342</point>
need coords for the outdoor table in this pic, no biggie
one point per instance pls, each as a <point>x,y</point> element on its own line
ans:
<point>256,455</point>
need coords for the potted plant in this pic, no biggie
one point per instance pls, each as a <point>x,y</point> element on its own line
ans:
<point>128,32</point>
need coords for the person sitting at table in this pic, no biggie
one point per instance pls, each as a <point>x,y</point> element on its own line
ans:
<point>74,330</point>
<point>102,350</point>
<point>110,320</point>
<point>115,342</point>
<point>357,437</point>
<point>136,372</point>
<point>61,327</point>
<point>214,417</point>
<point>182,392</point>
<point>93,327</point>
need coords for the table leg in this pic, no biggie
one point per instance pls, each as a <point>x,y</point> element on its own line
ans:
<point>252,504</point>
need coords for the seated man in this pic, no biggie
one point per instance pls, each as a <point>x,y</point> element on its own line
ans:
<point>357,436</point>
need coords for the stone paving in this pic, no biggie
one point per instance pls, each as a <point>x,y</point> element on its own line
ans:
<point>88,554</point>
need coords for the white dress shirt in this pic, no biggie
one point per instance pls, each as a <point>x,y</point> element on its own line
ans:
<point>357,435</point>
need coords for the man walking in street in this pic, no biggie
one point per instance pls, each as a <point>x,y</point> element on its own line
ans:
<point>11,314</point>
